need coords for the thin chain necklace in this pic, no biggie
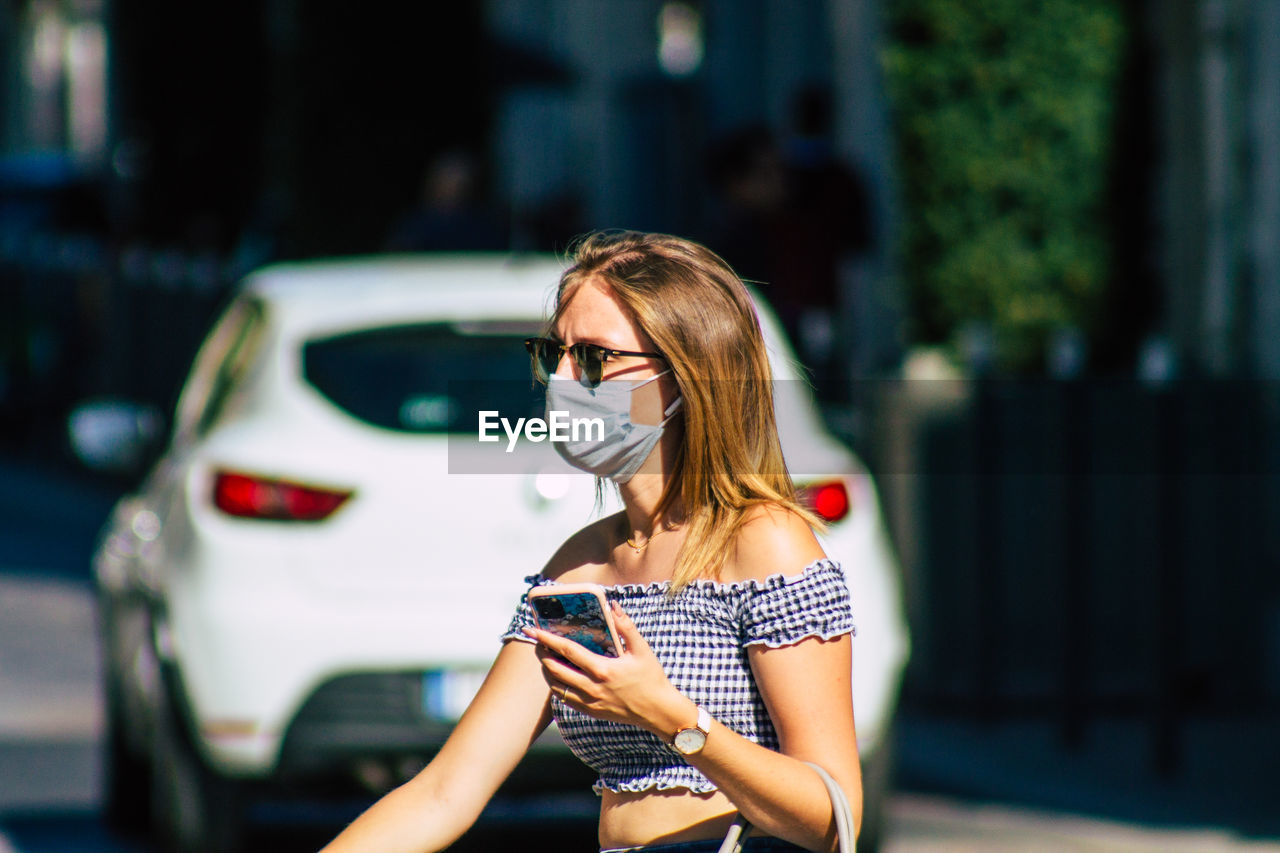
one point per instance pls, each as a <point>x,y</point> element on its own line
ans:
<point>637,547</point>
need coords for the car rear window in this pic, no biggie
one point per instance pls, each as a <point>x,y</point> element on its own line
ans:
<point>431,378</point>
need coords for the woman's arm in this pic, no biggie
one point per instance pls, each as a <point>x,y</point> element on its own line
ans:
<point>806,687</point>
<point>806,690</point>
<point>432,810</point>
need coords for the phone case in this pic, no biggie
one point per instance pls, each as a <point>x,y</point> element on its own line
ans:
<point>579,612</point>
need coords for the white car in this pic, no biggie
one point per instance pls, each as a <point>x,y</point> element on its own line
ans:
<point>311,581</point>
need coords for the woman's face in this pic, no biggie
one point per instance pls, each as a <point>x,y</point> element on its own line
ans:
<point>593,315</point>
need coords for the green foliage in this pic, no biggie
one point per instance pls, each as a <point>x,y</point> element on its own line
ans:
<point>1003,114</point>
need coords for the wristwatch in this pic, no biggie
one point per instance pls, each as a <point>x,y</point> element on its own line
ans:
<point>691,740</point>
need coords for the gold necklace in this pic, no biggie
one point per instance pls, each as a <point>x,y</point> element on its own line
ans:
<point>640,546</point>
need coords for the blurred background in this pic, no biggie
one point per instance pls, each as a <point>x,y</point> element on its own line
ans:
<point>1030,252</point>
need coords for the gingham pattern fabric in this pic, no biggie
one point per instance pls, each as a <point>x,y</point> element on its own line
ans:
<point>701,636</point>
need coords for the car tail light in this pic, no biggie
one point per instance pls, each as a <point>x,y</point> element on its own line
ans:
<point>830,499</point>
<point>247,496</point>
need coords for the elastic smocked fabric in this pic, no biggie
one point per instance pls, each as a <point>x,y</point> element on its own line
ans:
<point>753,844</point>
<point>701,636</point>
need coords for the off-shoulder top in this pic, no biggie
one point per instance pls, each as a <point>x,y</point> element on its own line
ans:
<point>701,636</point>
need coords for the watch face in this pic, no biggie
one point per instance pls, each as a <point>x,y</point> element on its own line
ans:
<point>689,741</point>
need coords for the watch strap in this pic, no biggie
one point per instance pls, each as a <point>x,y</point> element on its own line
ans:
<point>704,721</point>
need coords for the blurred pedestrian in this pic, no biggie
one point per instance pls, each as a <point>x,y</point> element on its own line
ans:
<point>747,173</point>
<point>792,215</point>
<point>736,626</point>
<point>828,223</point>
<point>450,215</point>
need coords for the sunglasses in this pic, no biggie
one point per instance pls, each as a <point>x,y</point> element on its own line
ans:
<point>545,355</point>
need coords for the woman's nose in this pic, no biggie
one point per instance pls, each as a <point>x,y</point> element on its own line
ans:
<point>573,367</point>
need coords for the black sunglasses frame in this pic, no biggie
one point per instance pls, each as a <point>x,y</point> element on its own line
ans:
<point>590,358</point>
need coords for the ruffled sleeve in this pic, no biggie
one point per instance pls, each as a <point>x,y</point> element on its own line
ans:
<point>783,610</point>
<point>523,617</point>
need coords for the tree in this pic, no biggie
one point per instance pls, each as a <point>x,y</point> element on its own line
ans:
<point>1003,115</point>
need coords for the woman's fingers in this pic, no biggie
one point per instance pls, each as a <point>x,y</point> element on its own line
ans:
<point>564,673</point>
<point>627,630</point>
<point>572,685</point>
<point>577,655</point>
<point>604,687</point>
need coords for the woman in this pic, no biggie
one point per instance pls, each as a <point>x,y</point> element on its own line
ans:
<point>736,626</point>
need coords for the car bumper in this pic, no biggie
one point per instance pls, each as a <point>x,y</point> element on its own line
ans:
<point>383,721</point>
<point>319,672</point>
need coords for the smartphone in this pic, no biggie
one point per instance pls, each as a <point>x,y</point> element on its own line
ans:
<point>579,612</point>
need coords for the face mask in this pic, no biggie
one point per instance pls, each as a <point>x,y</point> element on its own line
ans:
<point>625,445</point>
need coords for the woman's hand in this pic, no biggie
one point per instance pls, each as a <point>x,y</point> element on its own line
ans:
<point>629,689</point>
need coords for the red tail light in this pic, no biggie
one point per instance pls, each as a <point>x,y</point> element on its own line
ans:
<point>246,496</point>
<point>830,500</point>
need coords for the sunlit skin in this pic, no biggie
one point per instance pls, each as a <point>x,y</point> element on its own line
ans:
<point>806,686</point>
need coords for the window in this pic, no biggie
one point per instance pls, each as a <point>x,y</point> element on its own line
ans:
<point>220,367</point>
<point>432,378</point>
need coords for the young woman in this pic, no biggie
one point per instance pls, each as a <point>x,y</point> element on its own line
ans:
<point>737,627</point>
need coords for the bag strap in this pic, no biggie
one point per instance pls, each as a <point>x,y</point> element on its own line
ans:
<point>736,836</point>
<point>840,809</point>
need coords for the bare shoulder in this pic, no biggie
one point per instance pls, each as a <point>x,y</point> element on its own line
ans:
<point>584,554</point>
<point>772,540</point>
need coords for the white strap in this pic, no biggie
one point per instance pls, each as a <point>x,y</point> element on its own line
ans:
<point>840,809</point>
<point>736,836</point>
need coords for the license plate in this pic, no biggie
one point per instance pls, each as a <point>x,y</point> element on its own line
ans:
<point>446,693</point>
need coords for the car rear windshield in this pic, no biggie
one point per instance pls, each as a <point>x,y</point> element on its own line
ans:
<point>432,378</point>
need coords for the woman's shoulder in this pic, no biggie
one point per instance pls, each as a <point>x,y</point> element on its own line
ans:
<point>584,554</point>
<point>772,540</point>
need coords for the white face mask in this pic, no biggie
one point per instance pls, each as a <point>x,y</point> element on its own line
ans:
<point>625,445</point>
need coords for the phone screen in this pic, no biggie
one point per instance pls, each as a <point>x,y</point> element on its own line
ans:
<point>576,616</point>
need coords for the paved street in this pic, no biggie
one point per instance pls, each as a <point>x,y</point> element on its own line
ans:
<point>48,660</point>
<point>925,824</point>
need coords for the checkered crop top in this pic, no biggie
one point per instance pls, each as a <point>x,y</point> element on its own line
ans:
<point>701,636</point>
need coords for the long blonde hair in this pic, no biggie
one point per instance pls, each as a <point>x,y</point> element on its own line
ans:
<point>698,314</point>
